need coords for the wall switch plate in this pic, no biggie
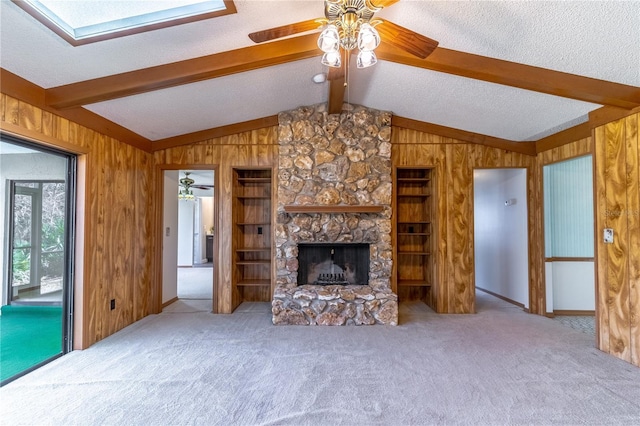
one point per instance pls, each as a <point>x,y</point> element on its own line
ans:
<point>112,304</point>
<point>167,231</point>
<point>608,236</point>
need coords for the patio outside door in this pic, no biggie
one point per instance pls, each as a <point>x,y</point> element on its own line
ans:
<point>37,204</point>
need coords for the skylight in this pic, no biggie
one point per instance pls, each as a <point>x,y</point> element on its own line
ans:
<point>85,21</point>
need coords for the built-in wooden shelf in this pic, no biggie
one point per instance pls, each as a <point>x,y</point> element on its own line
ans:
<point>253,250</point>
<point>323,208</point>
<point>254,283</point>
<point>414,245</point>
<point>252,262</point>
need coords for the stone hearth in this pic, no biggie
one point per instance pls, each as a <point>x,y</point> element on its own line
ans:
<point>332,161</point>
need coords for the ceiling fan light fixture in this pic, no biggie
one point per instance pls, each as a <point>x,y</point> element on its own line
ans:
<point>366,58</point>
<point>368,38</point>
<point>332,59</point>
<point>329,40</point>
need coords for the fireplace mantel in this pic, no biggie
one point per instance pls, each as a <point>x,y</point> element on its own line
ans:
<point>323,208</point>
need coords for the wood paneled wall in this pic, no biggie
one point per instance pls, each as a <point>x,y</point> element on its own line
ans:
<point>454,162</point>
<point>617,198</point>
<point>116,216</point>
<point>257,148</point>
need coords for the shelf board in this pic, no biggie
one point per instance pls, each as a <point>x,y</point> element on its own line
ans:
<point>253,250</point>
<point>413,283</point>
<point>254,179</point>
<point>254,283</point>
<point>322,208</point>
<point>409,179</point>
<point>252,197</point>
<point>253,224</point>
<point>414,223</point>
<point>413,253</point>
<point>420,234</point>
<point>253,262</point>
<point>414,195</point>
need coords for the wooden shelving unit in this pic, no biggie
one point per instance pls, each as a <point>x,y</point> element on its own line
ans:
<point>414,214</point>
<point>252,230</point>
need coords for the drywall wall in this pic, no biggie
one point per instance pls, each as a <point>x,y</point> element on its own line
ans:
<point>572,285</point>
<point>501,233</point>
<point>186,210</point>
<point>170,237</point>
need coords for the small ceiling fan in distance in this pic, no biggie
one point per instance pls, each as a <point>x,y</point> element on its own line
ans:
<point>185,186</point>
<point>348,15</point>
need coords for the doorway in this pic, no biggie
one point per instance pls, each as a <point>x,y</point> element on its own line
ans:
<point>38,198</point>
<point>501,237</point>
<point>189,237</point>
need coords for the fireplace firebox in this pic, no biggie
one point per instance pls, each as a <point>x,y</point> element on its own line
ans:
<point>333,264</point>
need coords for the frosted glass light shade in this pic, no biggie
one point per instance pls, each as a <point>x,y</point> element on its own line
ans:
<point>366,58</point>
<point>329,40</point>
<point>368,38</point>
<point>332,59</point>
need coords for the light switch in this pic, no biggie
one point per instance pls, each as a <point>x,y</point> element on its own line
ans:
<point>167,231</point>
<point>608,236</point>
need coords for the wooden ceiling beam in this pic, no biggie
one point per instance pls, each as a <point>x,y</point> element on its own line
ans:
<point>518,75</point>
<point>19,88</point>
<point>337,80</point>
<point>182,72</point>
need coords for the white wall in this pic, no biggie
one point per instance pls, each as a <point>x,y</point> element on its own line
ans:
<point>185,232</point>
<point>170,242</point>
<point>500,233</point>
<point>206,217</point>
<point>37,166</point>
<point>572,285</point>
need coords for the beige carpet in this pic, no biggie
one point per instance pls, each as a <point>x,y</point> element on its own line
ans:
<point>188,366</point>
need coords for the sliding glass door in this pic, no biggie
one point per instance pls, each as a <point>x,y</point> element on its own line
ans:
<point>38,201</point>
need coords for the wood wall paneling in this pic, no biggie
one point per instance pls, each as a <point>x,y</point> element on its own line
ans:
<point>633,225</point>
<point>253,148</point>
<point>113,214</point>
<point>618,207</point>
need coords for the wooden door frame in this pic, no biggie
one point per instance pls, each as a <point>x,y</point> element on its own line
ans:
<point>159,230</point>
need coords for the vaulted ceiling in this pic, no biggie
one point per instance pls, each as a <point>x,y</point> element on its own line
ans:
<point>511,70</point>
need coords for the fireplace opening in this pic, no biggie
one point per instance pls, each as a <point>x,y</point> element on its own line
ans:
<point>333,264</point>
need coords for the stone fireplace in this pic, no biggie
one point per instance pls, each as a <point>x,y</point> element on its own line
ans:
<point>334,197</point>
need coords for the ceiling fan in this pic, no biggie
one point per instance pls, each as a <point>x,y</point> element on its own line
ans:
<point>351,13</point>
<point>186,183</point>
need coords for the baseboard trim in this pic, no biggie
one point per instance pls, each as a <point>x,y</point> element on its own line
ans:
<point>575,313</point>
<point>167,303</point>
<point>506,299</point>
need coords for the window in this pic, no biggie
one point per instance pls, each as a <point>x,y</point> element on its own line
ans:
<point>81,22</point>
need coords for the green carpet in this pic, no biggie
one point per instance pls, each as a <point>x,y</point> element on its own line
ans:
<point>28,336</point>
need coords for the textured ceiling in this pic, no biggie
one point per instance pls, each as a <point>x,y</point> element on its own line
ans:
<point>593,39</point>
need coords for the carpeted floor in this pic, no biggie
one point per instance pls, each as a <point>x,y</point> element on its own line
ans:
<point>188,366</point>
<point>195,283</point>
<point>29,335</point>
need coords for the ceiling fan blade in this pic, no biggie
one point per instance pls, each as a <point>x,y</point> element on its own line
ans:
<point>405,39</point>
<point>202,186</point>
<point>284,31</point>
